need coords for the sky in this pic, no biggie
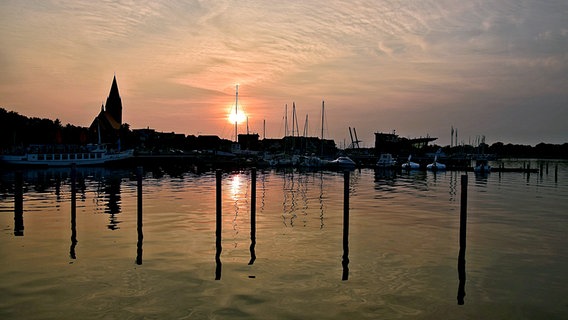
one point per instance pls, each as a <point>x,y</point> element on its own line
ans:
<point>492,68</point>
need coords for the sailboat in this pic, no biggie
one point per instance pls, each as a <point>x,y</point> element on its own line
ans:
<point>386,161</point>
<point>436,166</point>
<point>409,165</point>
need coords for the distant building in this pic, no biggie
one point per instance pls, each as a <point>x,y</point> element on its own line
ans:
<point>399,146</point>
<point>249,141</point>
<point>107,123</point>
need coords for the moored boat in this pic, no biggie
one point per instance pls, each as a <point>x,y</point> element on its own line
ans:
<point>436,166</point>
<point>342,163</point>
<point>386,161</point>
<point>63,155</point>
<point>409,165</point>
<point>482,166</point>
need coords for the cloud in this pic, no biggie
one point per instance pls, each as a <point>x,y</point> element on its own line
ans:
<point>390,59</point>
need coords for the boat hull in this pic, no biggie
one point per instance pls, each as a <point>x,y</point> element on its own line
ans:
<point>65,160</point>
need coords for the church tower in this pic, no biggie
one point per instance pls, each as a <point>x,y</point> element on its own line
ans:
<point>114,104</point>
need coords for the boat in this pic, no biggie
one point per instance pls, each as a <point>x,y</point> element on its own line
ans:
<point>342,163</point>
<point>436,166</point>
<point>310,161</point>
<point>386,161</point>
<point>482,166</point>
<point>409,165</point>
<point>65,155</point>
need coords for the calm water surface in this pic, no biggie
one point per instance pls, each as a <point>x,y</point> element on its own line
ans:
<point>403,246</point>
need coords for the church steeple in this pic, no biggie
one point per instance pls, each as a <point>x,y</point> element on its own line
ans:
<point>114,103</point>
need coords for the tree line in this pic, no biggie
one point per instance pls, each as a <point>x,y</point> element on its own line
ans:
<point>17,131</point>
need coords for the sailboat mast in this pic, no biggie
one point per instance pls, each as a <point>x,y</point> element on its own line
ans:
<point>322,121</point>
<point>286,120</point>
<point>293,118</point>
<point>306,126</point>
<point>322,118</point>
<point>236,113</point>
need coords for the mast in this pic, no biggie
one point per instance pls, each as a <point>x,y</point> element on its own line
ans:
<point>322,121</point>
<point>322,118</point>
<point>236,113</point>
<point>293,117</point>
<point>452,137</point>
<point>286,120</point>
<point>295,121</point>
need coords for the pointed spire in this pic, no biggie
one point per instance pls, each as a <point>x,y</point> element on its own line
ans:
<point>114,103</point>
<point>114,88</point>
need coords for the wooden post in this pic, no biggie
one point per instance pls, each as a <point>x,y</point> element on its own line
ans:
<point>252,216</point>
<point>72,254</point>
<point>219,221</point>
<point>139,177</point>
<point>19,204</point>
<point>345,260</point>
<point>528,171</point>
<point>463,228</point>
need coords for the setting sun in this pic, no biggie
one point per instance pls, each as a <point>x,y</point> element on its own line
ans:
<point>239,118</point>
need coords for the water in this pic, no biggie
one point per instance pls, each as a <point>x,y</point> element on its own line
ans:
<point>402,250</point>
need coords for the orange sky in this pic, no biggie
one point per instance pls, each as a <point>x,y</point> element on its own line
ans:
<point>492,68</point>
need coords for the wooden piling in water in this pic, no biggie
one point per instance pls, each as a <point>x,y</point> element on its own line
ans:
<point>72,254</point>
<point>139,177</point>
<point>463,229</point>
<point>252,215</point>
<point>345,260</point>
<point>218,220</point>
<point>19,204</point>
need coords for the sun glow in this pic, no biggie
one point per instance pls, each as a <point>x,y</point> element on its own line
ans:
<point>239,118</point>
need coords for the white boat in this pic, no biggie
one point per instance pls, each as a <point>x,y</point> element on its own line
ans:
<point>482,166</point>
<point>409,165</point>
<point>386,161</point>
<point>343,162</point>
<point>436,166</point>
<point>62,156</point>
<point>310,161</point>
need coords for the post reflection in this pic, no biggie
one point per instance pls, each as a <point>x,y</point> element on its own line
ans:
<point>463,229</point>
<point>218,225</point>
<point>19,205</point>
<point>252,216</point>
<point>139,173</point>
<point>72,254</point>
<point>345,258</point>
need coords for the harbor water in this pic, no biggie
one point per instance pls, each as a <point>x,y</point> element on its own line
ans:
<point>96,252</point>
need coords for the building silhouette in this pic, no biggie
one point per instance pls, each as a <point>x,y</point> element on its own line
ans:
<point>106,125</point>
